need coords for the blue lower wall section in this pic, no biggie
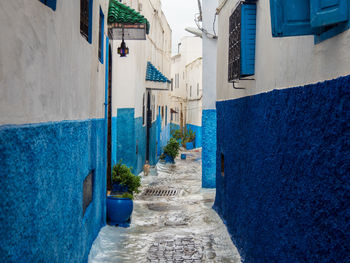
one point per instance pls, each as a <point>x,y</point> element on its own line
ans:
<point>209,148</point>
<point>285,192</point>
<point>43,167</point>
<point>198,131</point>
<point>131,139</point>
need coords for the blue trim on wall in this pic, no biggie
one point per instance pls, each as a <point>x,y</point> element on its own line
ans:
<point>43,167</point>
<point>198,131</point>
<point>209,148</point>
<point>284,195</point>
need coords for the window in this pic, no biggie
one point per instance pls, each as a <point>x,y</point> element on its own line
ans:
<point>86,19</point>
<point>88,190</point>
<point>176,80</point>
<point>197,89</point>
<point>101,36</point>
<point>171,85</point>
<point>190,91</point>
<point>162,112</point>
<point>322,18</point>
<point>242,30</point>
<point>222,165</point>
<point>49,3</point>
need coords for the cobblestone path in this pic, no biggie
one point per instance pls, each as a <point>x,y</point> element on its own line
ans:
<point>172,222</point>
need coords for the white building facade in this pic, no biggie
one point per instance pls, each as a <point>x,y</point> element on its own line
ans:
<point>138,129</point>
<point>283,90</point>
<point>52,133</point>
<point>186,92</point>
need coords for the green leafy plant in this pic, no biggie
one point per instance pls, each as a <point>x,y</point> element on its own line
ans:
<point>122,175</point>
<point>172,148</point>
<point>177,134</point>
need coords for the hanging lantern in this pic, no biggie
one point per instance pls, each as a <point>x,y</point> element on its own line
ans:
<point>123,50</point>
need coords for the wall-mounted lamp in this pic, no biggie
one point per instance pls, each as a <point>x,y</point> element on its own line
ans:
<point>123,50</point>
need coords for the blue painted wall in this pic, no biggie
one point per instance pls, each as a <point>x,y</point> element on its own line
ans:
<point>43,167</point>
<point>131,132</point>
<point>285,193</point>
<point>153,144</point>
<point>209,148</point>
<point>198,131</point>
<point>140,133</point>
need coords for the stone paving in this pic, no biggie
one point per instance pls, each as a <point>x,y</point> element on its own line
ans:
<point>176,228</point>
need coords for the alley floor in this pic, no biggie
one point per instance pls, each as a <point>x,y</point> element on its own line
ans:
<point>173,221</point>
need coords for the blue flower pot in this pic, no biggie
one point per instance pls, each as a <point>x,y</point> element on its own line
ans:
<point>183,156</point>
<point>119,210</point>
<point>169,159</point>
<point>189,145</point>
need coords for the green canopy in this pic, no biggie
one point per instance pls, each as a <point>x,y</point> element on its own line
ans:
<point>120,13</point>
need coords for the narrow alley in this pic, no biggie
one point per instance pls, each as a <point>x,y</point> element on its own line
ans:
<point>176,224</point>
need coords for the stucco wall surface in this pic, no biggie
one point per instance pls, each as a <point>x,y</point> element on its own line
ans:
<point>209,148</point>
<point>43,167</point>
<point>48,70</point>
<point>285,191</point>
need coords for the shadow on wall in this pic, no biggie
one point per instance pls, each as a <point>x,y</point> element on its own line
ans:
<point>284,194</point>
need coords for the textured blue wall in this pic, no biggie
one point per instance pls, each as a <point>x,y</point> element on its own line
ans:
<point>285,193</point>
<point>209,148</point>
<point>140,133</point>
<point>198,131</point>
<point>130,132</point>
<point>43,167</point>
<point>153,144</point>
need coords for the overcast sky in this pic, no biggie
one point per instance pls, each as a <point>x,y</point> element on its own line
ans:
<point>180,14</point>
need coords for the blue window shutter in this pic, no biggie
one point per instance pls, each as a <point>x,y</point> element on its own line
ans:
<point>328,12</point>
<point>51,4</point>
<point>248,36</point>
<point>290,18</point>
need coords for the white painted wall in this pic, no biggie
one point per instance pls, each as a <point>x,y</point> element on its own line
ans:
<point>281,62</point>
<point>188,65</point>
<point>48,71</point>
<point>209,54</point>
<point>129,73</point>
<point>194,98</point>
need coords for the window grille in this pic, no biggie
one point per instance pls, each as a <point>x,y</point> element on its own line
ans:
<point>84,18</point>
<point>234,61</point>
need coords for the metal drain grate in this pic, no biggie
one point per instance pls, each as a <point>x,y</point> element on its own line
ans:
<point>160,192</point>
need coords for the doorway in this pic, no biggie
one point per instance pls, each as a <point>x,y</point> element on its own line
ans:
<point>149,125</point>
<point>109,120</point>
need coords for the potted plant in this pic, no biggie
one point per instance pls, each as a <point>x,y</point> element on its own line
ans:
<point>171,150</point>
<point>189,139</point>
<point>119,203</point>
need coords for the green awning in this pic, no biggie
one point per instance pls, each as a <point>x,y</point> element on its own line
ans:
<point>120,13</point>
